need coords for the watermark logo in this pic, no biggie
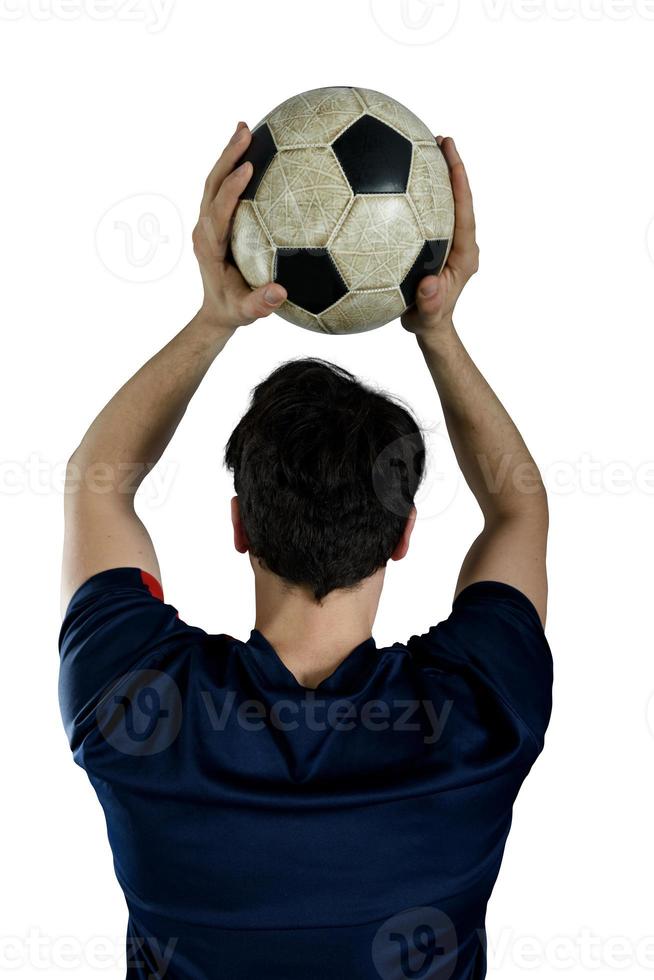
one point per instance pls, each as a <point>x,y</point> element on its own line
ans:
<point>314,714</point>
<point>404,472</point>
<point>416,944</point>
<point>142,714</point>
<point>141,238</point>
<point>585,951</point>
<point>396,476</point>
<point>39,951</point>
<point>415,22</point>
<point>41,477</point>
<point>154,14</point>
<point>568,10</point>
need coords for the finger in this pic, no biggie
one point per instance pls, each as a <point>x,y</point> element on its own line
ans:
<point>263,301</point>
<point>225,164</point>
<point>222,208</point>
<point>227,160</point>
<point>465,225</point>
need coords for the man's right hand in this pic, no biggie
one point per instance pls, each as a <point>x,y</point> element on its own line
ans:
<point>493,457</point>
<point>437,295</point>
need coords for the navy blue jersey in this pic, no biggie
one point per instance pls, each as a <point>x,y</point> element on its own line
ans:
<point>264,831</point>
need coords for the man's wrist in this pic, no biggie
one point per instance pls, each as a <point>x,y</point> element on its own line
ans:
<point>435,337</point>
<point>213,326</point>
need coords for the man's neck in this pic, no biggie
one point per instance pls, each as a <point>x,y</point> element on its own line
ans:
<point>312,638</point>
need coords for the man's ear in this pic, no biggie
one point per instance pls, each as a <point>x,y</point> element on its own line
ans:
<point>241,542</point>
<point>403,544</point>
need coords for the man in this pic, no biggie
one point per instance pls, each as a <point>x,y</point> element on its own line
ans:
<point>304,804</point>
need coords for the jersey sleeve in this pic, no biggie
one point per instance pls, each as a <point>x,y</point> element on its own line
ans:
<point>115,621</point>
<point>495,632</point>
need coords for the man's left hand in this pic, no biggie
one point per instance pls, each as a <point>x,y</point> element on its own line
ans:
<point>229,302</point>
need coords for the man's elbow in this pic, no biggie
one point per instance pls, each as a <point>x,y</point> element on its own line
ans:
<point>95,480</point>
<point>73,470</point>
<point>525,497</point>
<point>85,476</point>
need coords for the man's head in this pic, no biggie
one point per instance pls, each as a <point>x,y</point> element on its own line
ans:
<point>326,470</point>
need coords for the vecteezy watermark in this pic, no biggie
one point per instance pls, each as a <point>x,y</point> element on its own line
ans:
<point>583,951</point>
<point>567,10</point>
<point>317,714</point>
<point>142,714</point>
<point>416,943</point>
<point>42,477</point>
<point>40,951</point>
<point>408,471</point>
<point>415,22</point>
<point>595,477</point>
<point>154,14</point>
<point>143,952</point>
<point>141,238</point>
<point>122,478</point>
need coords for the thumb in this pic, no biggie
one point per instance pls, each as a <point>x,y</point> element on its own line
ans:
<point>430,295</point>
<point>263,301</point>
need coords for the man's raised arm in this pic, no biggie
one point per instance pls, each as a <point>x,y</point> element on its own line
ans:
<point>102,529</point>
<point>492,455</point>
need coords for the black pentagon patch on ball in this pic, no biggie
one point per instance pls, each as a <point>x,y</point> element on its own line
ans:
<point>375,158</point>
<point>430,261</point>
<point>310,277</point>
<point>259,153</point>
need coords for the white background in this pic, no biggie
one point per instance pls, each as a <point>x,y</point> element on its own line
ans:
<point>550,103</point>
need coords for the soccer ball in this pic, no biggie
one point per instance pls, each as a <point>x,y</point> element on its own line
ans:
<point>349,206</point>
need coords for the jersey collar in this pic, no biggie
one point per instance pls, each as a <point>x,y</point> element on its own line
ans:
<point>349,677</point>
